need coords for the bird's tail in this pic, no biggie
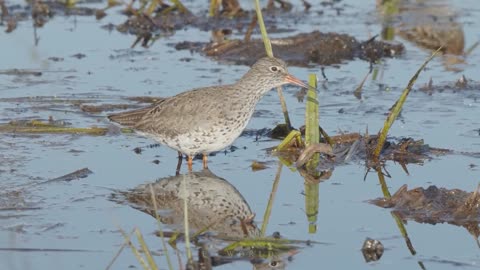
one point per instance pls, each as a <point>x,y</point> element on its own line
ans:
<point>129,118</point>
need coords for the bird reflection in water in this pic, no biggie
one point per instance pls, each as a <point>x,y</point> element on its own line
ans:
<point>213,204</point>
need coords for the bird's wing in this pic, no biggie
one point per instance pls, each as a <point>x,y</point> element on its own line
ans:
<point>185,111</point>
<point>131,118</point>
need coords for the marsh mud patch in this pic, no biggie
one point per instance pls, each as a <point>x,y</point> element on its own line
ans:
<point>166,18</point>
<point>436,205</point>
<point>40,12</point>
<point>460,85</point>
<point>300,50</point>
<point>353,147</point>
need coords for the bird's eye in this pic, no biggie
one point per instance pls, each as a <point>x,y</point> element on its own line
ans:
<point>274,68</point>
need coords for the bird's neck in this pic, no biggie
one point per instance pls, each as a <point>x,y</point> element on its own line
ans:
<point>252,86</point>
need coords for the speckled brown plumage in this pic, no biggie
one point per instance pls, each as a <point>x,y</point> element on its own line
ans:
<point>208,119</point>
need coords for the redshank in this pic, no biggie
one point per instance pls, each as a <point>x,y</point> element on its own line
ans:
<point>208,119</point>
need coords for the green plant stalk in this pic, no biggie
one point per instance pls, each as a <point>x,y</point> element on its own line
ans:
<point>185,221</point>
<point>135,251</point>
<point>391,7</point>
<point>268,49</point>
<point>388,33</point>
<point>287,162</point>
<point>173,239</point>
<point>180,6</point>
<point>111,3</point>
<point>266,243</point>
<point>284,108</point>
<point>159,223</point>
<point>143,4</point>
<point>152,6</point>
<point>312,132</point>
<point>470,50</point>
<point>36,126</point>
<point>95,131</point>
<point>312,205</point>
<point>398,221</point>
<point>404,233</point>
<point>326,137</point>
<point>388,9</point>
<point>294,135</point>
<point>375,73</point>
<point>383,184</point>
<point>61,130</point>
<point>148,254</point>
<point>263,29</point>
<point>125,243</point>
<point>70,3</point>
<point>358,90</point>
<point>213,8</point>
<point>271,199</point>
<point>398,107</point>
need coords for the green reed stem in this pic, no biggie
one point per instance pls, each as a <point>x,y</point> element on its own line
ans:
<point>383,184</point>
<point>294,137</point>
<point>271,199</point>
<point>180,6</point>
<point>185,221</point>
<point>212,11</point>
<point>122,247</point>
<point>159,223</point>
<point>398,107</point>
<point>151,263</point>
<point>312,191</point>
<point>263,29</point>
<point>268,49</point>
<point>312,133</point>
<point>135,251</point>
<point>398,221</point>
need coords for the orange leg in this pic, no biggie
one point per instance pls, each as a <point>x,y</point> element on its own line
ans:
<point>205,161</point>
<point>190,163</point>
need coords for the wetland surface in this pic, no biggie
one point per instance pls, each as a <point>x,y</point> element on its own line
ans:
<point>75,60</point>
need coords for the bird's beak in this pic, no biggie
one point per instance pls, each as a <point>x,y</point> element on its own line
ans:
<point>291,79</point>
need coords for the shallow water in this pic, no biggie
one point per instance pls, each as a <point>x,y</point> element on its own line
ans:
<point>78,218</point>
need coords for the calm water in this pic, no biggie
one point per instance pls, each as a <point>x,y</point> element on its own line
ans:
<point>78,216</point>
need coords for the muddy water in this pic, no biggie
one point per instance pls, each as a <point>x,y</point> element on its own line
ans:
<point>73,224</point>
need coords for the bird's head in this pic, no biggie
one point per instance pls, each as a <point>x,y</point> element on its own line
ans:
<point>271,72</point>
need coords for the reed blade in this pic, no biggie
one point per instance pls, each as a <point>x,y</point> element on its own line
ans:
<point>398,107</point>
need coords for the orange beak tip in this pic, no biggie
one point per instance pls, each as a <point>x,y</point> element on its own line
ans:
<point>296,81</point>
